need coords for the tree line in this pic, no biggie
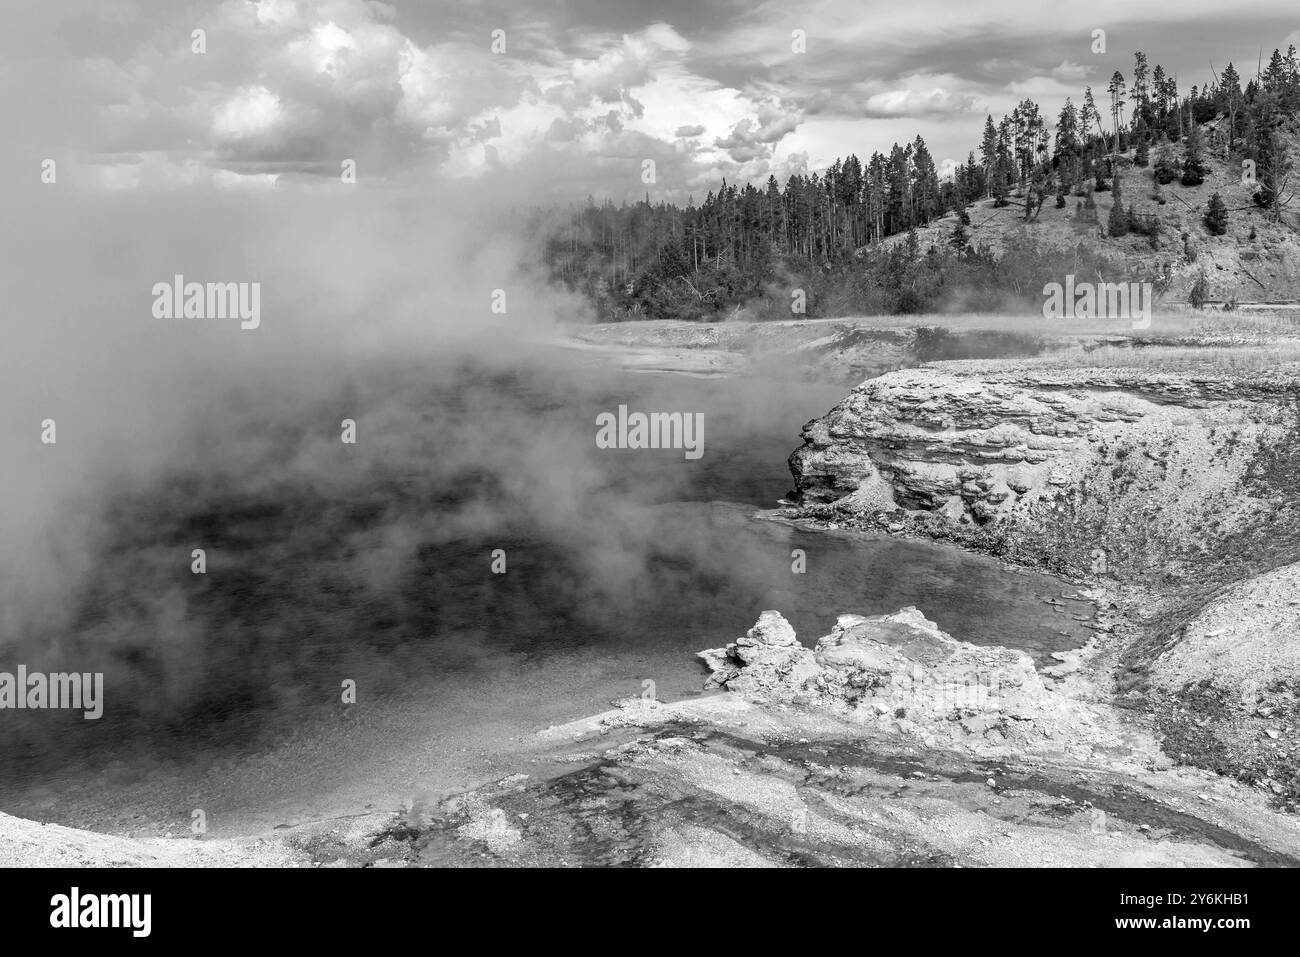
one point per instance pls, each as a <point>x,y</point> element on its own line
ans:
<point>746,243</point>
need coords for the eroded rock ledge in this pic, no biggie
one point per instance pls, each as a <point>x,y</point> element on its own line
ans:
<point>977,446</point>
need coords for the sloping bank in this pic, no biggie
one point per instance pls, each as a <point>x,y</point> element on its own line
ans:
<point>885,743</point>
<point>889,743</point>
<point>1177,493</point>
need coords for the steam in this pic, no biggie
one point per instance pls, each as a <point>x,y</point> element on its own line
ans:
<point>324,560</point>
<point>349,278</point>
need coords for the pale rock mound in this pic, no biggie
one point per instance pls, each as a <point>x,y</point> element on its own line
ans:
<point>902,671</point>
<point>1247,641</point>
<point>903,661</point>
<point>767,659</point>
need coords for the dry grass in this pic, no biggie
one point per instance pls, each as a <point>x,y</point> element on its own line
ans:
<point>1170,323</point>
<point>1237,325</point>
<point>1281,357</point>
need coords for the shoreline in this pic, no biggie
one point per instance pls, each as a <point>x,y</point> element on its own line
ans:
<point>722,747</point>
<point>1039,807</point>
<point>283,835</point>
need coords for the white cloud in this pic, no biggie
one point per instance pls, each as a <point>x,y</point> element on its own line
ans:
<point>276,11</point>
<point>918,102</point>
<point>252,112</point>
<point>611,76</point>
<point>325,49</point>
<point>294,86</point>
<point>1069,72</point>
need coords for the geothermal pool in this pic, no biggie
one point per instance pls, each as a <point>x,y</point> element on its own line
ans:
<point>380,564</point>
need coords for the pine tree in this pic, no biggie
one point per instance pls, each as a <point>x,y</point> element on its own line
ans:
<point>1291,98</point>
<point>1180,104</point>
<point>1142,155</point>
<point>1200,291</point>
<point>1229,100</point>
<point>1141,95</point>
<point>1193,168</point>
<point>1067,131</point>
<point>1216,217</point>
<point>1088,116</point>
<point>1117,223</point>
<point>1036,190</point>
<point>925,183</point>
<point>1116,88</point>
<point>989,152</point>
<point>1266,144</point>
<point>1275,75</point>
<point>957,240</point>
<point>1100,184</point>
<point>1166,170</point>
<point>1000,184</point>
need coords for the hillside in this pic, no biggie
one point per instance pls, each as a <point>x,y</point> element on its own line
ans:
<point>1256,259</point>
<point>1032,202</point>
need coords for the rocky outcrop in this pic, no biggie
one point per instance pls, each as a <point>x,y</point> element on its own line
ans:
<point>1166,488</point>
<point>902,661</point>
<point>1143,466</point>
<point>899,670</point>
<point>766,659</point>
<point>941,441</point>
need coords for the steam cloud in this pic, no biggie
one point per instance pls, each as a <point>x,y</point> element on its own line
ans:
<point>323,559</point>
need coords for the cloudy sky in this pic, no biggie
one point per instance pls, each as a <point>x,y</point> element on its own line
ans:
<point>582,93</point>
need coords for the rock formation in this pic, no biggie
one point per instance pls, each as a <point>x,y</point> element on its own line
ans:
<point>899,669</point>
<point>767,659</point>
<point>1057,461</point>
<point>1164,488</point>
